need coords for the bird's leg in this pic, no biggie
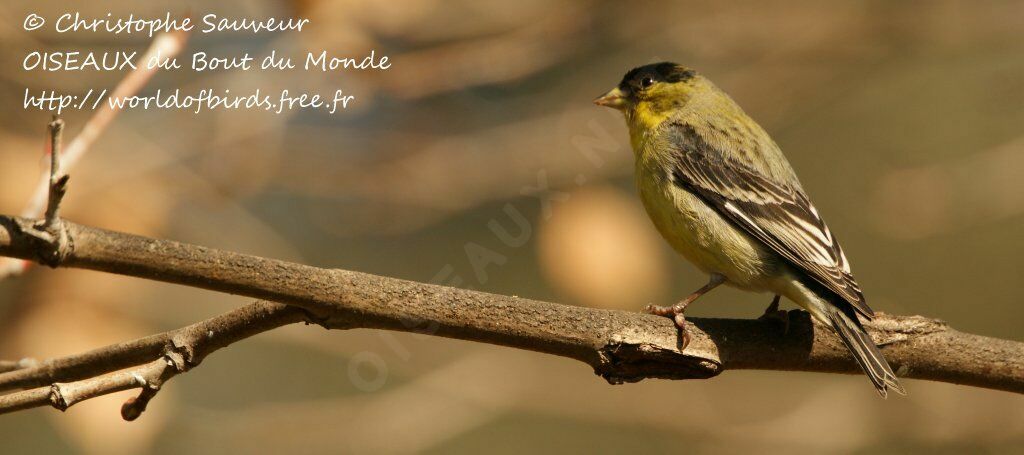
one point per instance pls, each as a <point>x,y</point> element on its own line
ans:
<point>773,313</point>
<point>773,308</point>
<point>676,311</point>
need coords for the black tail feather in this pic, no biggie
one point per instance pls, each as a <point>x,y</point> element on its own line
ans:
<point>865,351</point>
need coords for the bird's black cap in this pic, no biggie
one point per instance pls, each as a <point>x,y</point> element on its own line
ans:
<point>661,72</point>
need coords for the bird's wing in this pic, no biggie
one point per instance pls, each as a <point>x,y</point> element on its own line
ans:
<point>777,214</point>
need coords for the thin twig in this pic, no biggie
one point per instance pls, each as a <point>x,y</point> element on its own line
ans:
<point>155,359</point>
<point>52,228</point>
<point>58,181</point>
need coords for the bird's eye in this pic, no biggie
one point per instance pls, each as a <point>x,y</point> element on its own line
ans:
<point>646,82</point>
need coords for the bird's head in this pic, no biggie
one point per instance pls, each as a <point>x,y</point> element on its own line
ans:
<point>650,93</point>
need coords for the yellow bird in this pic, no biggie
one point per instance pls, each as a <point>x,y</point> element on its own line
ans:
<point>721,192</point>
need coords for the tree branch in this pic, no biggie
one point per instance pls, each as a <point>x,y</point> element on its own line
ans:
<point>620,346</point>
<point>159,358</point>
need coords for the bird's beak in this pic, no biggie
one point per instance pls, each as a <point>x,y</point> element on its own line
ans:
<point>614,99</point>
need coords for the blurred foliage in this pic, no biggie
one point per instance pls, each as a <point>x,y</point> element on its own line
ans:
<point>902,118</point>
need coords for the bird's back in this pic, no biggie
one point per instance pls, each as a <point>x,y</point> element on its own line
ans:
<point>722,123</point>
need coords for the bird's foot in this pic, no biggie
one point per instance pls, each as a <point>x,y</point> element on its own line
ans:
<point>674,312</point>
<point>773,313</point>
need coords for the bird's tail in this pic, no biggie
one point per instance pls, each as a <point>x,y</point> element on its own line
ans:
<point>865,351</point>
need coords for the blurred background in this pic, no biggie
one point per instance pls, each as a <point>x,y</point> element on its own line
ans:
<point>903,119</point>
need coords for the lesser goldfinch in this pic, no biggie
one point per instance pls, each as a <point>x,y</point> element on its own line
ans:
<point>721,192</point>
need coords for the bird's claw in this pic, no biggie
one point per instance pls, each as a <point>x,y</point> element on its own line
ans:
<point>674,312</point>
<point>684,335</point>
